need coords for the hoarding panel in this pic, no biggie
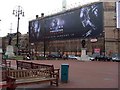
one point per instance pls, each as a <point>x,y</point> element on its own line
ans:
<point>35,33</point>
<point>84,22</point>
<point>79,23</point>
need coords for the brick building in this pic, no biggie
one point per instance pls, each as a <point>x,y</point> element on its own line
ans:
<point>108,43</point>
<point>23,41</point>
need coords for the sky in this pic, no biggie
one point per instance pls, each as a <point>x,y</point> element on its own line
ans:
<point>31,8</point>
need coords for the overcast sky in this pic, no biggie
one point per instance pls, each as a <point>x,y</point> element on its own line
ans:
<point>31,9</point>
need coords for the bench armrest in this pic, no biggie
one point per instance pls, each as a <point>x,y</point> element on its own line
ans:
<point>10,79</point>
<point>56,70</point>
<point>56,73</point>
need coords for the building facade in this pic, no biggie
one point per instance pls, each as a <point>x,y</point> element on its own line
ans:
<point>112,40</point>
<point>23,42</point>
<point>107,44</point>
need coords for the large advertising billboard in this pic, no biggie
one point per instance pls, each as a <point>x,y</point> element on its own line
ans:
<point>35,32</point>
<point>84,22</point>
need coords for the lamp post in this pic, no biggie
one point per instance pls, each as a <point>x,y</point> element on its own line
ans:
<point>118,40</point>
<point>104,41</point>
<point>17,12</point>
<point>44,33</point>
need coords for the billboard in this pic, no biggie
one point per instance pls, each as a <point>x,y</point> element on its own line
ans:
<point>35,32</point>
<point>84,22</point>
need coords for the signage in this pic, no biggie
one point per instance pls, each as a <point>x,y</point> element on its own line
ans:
<point>93,40</point>
<point>97,50</point>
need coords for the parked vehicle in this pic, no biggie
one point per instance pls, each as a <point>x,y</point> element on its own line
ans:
<point>73,57</point>
<point>93,56</point>
<point>98,57</point>
<point>108,58</point>
<point>54,56</point>
<point>116,57</point>
<point>103,58</point>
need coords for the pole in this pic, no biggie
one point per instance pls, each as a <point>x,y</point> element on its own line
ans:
<point>44,38</point>
<point>44,46</point>
<point>44,33</point>
<point>17,12</point>
<point>118,40</point>
<point>104,43</point>
<point>17,44</point>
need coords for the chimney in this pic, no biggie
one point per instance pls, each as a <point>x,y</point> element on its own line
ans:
<point>37,16</point>
<point>64,4</point>
<point>42,14</point>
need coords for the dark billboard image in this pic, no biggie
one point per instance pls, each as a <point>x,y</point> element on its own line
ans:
<point>35,33</point>
<point>84,22</point>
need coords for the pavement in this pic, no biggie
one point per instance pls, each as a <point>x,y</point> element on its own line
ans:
<point>89,74</point>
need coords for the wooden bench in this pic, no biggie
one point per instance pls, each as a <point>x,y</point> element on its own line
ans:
<point>31,76</point>
<point>31,65</point>
<point>30,73</point>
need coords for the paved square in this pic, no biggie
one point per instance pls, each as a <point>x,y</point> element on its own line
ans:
<point>93,74</point>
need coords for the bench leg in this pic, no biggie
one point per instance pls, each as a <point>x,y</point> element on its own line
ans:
<point>11,84</point>
<point>56,82</point>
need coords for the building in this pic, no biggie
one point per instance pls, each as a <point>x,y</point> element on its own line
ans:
<point>23,42</point>
<point>112,39</point>
<point>107,44</point>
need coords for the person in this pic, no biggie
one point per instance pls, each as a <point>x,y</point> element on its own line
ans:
<point>28,57</point>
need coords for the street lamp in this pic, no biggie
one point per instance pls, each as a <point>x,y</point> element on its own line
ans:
<point>17,12</point>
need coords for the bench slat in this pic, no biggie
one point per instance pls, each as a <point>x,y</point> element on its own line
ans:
<point>27,81</point>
